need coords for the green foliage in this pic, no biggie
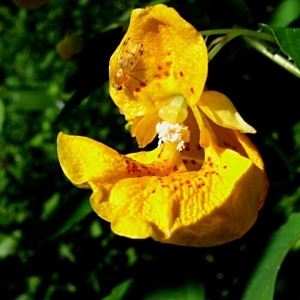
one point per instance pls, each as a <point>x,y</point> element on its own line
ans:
<point>189,291</point>
<point>285,13</point>
<point>52,245</point>
<point>288,40</point>
<point>119,291</point>
<point>262,283</point>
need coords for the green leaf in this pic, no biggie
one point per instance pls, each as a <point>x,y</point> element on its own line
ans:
<point>61,218</point>
<point>262,283</point>
<point>288,40</point>
<point>189,291</point>
<point>50,205</point>
<point>2,114</point>
<point>80,212</point>
<point>9,243</point>
<point>31,100</point>
<point>119,291</point>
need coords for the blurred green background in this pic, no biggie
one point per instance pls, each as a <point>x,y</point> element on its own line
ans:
<point>52,245</point>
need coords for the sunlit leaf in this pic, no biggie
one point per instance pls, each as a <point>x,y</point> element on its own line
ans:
<point>9,244</point>
<point>50,205</point>
<point>285,13</point>
<point>262,283</point>
<point>65,251</point>
<point>119,291</point>
<point>288,40</point>
<point>96,229</point>
<point>32,100</point>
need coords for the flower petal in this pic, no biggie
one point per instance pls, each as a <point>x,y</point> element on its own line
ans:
<point>221,111</point>
<point>205,208</point>
<point>239,142</point>
<point>90,164</point>
<point>82,158</point>
<point>173,61</point>
<point>144,128</point>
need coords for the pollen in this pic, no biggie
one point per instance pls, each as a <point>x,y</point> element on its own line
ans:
<point>173,133</point>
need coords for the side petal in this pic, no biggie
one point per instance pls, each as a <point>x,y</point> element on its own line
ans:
<point>144,128</point>
<point>84,160</point>
<point>221,111</point>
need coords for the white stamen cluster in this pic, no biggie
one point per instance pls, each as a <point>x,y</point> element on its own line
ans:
<point>174,133</point>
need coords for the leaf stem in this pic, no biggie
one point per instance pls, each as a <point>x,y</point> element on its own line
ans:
<point>240,31</point>
<point>231,34</point>
<point>277,58</point>
<point>252,38</point>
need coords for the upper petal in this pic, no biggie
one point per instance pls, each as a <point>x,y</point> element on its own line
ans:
<point>174,61</point>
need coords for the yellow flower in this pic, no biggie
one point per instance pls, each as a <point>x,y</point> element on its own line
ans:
<point>205,182</point>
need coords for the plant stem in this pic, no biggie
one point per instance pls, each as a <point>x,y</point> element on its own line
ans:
<point>231,34</point>
<point>240,31</point>
<point>252,38</point>
<point>277,58</point>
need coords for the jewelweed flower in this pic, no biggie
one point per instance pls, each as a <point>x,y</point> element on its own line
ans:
<point>205,182</point>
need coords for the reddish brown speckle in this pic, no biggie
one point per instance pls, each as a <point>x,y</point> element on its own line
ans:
<point>159,67</point>
<point>193,161</point>
<point>233,148</point>
<point>181,73</point>
<point>142,84</point>
<point>224,167</point>
<point>168,63</point>
<point>175,188</point>
<point>153,192</point>
<point>137,90</point>
<point>211,164</point>
<point>198,147</point>
<point>199,185</point>
<point>188,182</point>
<point>169,53</point>
<point>192,90</point>
<point>209,158</point>
<point>167,73</point>
<point>187,148</point>
<point>185,161</point>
